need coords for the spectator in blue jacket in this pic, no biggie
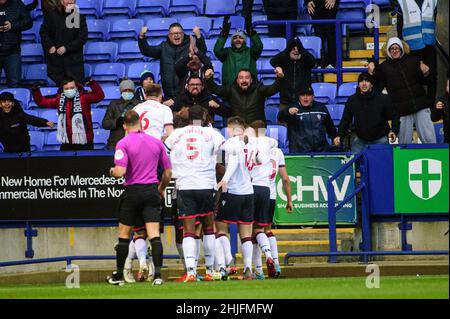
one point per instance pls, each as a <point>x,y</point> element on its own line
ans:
<point>308,123</point>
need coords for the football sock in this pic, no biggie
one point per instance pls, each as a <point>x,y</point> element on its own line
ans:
<point>226,248</point>
<point>131,256</point>
<point>247,251</point>
<point>121,255</point>
<point>209,247</point>
<point>181,253</point>
<point>263,242</point>
<point>198,244</point>
<point>219,255</point>
<point>189,248</point>
<point>273,247</point>
<point>141,250</point>
<point>157,254</point>
<point>257,259</point>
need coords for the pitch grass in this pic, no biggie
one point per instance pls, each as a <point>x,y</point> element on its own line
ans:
<point>404,287</point>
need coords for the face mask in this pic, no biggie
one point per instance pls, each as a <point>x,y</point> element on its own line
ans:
<point>70,93</point>
<point>127,95</point>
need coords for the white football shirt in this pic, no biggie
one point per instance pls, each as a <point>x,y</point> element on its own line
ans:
<point>263,168</point>
<point>276,160</point>
<point>154,117</point>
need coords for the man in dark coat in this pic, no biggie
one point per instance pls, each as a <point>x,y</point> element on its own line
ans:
<point>308,123</point>
<point>297,64</point>
<point>280,10</point>
<point>13,125</point>
<point>14,18</point>
<point>169,52</point>
<point>246,96</point>
<point>63,34</point>
<point>440,112</point>
<point>370,111</point>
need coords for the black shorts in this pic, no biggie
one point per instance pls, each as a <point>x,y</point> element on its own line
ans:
<point>236,209</point>
<point>262,206</point>
<point>272,209</point>
<point>195,203</point>
<point>140,202</point>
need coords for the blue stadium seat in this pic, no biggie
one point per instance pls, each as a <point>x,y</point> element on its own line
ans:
<point>20,94</point>
<point>439,130</point>
<point>154,7</point>
<point>35,72</point>
<point>159,27</point>
<point>261,29</point>
<point>45,91</point>
<point>100,52</point>
<point>119,7</point>
<point>97,117</point>
<point>324,92</point>
<point>111,93</point>
<point>217,65</point>
<point>220,7</point>
<point>336,111</point>
<point>100,138</point>
<point>135,70</point>
<point>31,35</point>
<point>352,14</point>
<point>218,121</point>
<point>126,29</point>
<point>271,115</point>
<point>32,53</point>
<point>224,132</point>
<point>210,43</point>
<point>268,78</point>
<point>50,142</point>
<point>109,73</point>
<point>32,113</point>
<point>237,22</point>
<point>273,101</point>
<point>49,115</point>
<point>184,8</point>
<point>36,141</point>
<point>90,8</point>
<point>87,70</point>
<point>382,3</point>
<point>313,45</point>
<point>345,91</point>
<point>273,46</point>
<point>98,29</point>
<point>278,132</point>
<point>353,4</point>
<point>1,148</point>
<point>129,50</point>
<point>204,23</point>
<point>304,29</point>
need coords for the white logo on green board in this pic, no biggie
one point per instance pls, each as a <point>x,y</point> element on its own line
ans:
<point>425,178</point>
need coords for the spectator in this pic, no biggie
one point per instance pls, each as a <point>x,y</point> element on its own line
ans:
<point>14,18</point>
<point>49,5</point>
<point>63,34</point>
<point>440,112</point>
<point>114,116</point>
<point>370,112</point>
<point>239,55</point>
<point>403,76</point>
<point>194,64</point>
<point>297,64</point>
<point>246,95</point>
<point>169,52</point>
<point>33,5</point>
<point>147,79</point>
<point>13,125</point>
<point>74,113</point>
<point>196,93</point>
<point>325,9</point>
<point>280,10</point>
<point>308,122</point>
<point>416,25</point>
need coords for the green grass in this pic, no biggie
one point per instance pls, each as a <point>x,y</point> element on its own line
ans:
<point>404,287</point>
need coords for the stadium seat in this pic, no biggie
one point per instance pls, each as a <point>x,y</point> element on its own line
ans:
<point>220,7</point>
<point>129,50</point>
<point>278,132</point>
<point>100,138</point>
<point>336,111</point>
<point>352,14</point>
<point>1,148</point>
<point>98,29</point>
<point>49,115</point>
<point>50,142</point>
<point>20,94</point>
<point>32,53</point>
<point>36,72</point>
<point>224,132</point>
<point>267,78</point>
<point>184,8</point>
<point>154,7</point>
<point>218,121</point>
<point>159,27</point>
<point>100,52</point>
<point>261,29</point>
<point>109,73</point>
<point>87,70</point>
<point>126,29</point>
<point>90,8</point>
<point>273,46</point>
<point>382,3</point>
<point>45,91</point>
<point>217,65</point>
<point>237,22</point>
<point>204,23</point>
<point>324,92</point>
<point>439,130</point>
<point>353,4</point>
<point>31,35</point>
<point>271,115</point>
<point>304,29</point>
<point>36,141</point>
<point>135,70</point>
<point>111,93</point>
<point>119,7</point>
<point>313,45</point>
<point>210,43</point>
<point>97,117</point>
<point>273,101</point>
<point>345,91</point>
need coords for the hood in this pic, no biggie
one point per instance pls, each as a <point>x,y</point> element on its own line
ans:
<point>405,47</point>
<point>296,42</point>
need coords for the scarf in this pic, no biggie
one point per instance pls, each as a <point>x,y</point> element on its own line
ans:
<point>78,131</point>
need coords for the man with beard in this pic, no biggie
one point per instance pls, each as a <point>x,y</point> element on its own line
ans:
<point>246,96</point>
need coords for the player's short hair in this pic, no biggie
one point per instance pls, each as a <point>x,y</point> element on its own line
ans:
<point>131,118</point>
<point>196,113</point>
<point>259,127</point>
<point>236,120</point>
<point>153,90</point>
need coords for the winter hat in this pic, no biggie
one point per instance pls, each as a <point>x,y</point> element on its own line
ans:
<point>393,41</point>
<point>292,43</point>
<point>6,96</point>
<point>147,74</point>
<point>365,77</point>
<point>126,84</point>
<point>307,90</point>
<point>239,33</point>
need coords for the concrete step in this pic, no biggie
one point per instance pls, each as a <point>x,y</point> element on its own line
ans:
<point>384,29</point>
<point>311,234</point>
<point>355,63</point>
<point>361,54</point>
<point>347,77</point>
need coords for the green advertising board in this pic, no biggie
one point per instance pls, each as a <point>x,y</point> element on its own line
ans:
<point>421,180</point>
<point>309,176</point>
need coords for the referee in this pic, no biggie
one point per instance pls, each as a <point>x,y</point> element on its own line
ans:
<point>137,159</point>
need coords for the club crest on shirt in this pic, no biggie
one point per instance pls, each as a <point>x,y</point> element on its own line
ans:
<point>224,202</point>
<point>118,155</point>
